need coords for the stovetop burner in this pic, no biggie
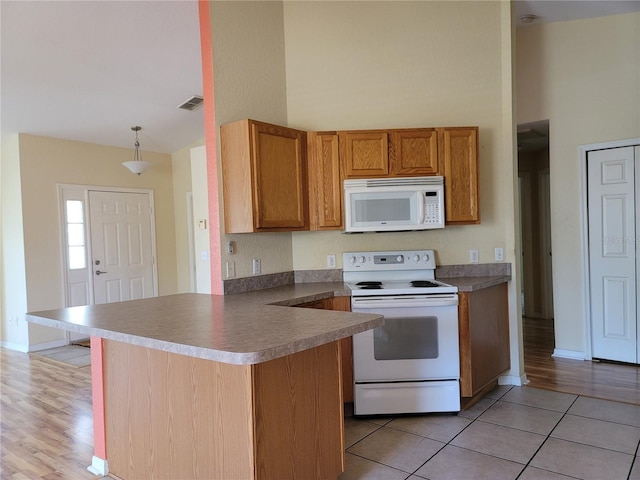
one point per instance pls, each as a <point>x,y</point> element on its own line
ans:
<point>369,284</point>
<point>423,284</point>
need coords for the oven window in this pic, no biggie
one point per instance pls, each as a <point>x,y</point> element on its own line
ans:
<point>406,339</point>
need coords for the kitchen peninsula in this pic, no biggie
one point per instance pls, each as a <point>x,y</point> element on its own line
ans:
<point>208,386</point>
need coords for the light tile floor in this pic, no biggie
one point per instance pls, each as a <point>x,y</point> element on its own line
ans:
<point>513,433</point>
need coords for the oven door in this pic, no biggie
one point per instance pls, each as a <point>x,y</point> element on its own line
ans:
<point>419,340</point>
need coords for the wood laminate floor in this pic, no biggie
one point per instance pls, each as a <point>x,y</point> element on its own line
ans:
<point>609,381</point>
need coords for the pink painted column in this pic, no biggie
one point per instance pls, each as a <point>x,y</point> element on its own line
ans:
<point>210,133</point>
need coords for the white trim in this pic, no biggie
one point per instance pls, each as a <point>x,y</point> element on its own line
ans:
<point>18,347</point>
<point>583,151</point>
<point>516,380</point>
<point>192,244</point>
<point>45,346</point>
<point>572,354</point>
<point>99,467</point>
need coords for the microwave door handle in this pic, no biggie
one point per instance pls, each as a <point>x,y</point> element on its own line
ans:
<point>421,218</point>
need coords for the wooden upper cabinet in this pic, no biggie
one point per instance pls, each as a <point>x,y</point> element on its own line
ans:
<point>264,177</point>
<point>365,153</point>
<point>325,182</point>
<point>414,152</point>
<point>458,150</point>
<point>389,153</point>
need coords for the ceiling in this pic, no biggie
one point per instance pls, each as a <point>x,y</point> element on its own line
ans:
<point>91,70</point>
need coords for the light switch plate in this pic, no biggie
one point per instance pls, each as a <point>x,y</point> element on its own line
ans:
<point>231,269</point>
<point>257,266</point>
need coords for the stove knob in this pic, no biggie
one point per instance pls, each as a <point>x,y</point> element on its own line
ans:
<point>416,258</point>
<point>425,257</point>
<point>399,258</point>
<point>352,259</point>
<point>361,259</point>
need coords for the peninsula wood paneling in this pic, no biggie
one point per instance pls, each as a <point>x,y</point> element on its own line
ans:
<point>171,416</point>
<point>166,415</point>
<point>299,397</point>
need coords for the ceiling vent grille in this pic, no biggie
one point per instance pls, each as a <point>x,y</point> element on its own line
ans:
<point>192,103</point>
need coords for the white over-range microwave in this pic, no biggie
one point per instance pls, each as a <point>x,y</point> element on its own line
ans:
<point>394,204</point>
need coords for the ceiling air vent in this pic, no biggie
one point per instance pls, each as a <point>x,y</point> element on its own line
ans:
<point>192,103</point>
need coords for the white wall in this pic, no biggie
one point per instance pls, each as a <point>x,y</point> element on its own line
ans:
<point>44,163</point>
<point>181,168</point>
<point>250,82</point>
<point>14,330</point>
<point>584,77</point>
<point>357,65</point>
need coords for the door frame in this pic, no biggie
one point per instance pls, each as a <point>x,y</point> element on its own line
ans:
<point>81,192</point>
<point>584,230</point>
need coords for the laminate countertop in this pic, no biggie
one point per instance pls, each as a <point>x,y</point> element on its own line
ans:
<point>471,284</point>
<point>240,329</point>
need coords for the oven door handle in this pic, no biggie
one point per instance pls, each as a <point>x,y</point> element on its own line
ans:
<point>390,302</point>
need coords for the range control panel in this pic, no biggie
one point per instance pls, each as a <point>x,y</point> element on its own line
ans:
<point>389,260</point>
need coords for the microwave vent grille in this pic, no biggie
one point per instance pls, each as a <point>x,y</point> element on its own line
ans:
<point>393,182</point>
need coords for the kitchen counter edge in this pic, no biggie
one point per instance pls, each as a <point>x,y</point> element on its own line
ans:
<point>223,328</point>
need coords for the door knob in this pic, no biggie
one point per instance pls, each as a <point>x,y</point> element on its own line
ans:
<point>98,272</point>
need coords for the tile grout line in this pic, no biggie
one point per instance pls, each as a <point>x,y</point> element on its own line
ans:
<point>547,437</point>
<point>564,414</point>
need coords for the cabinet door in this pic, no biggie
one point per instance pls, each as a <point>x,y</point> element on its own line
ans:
<point>280,177</point>
<point>365,153</point>
<point>458,150</point>
<point>414,152</point>
<point>325,184</point>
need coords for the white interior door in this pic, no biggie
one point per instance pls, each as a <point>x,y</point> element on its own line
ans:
<point>612,254</point>
<point>121,246</point>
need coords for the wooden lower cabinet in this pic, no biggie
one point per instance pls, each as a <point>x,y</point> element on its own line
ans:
<point>484,337</point>
<point>172,416</point>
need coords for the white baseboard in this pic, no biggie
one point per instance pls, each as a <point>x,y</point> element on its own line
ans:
<point>98,466</point>
<point>516,380</point>
<point>44,346</point>
<point>572,354</point>
<point>18,347</point>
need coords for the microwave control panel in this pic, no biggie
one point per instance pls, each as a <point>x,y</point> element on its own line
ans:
<point>432,213</point>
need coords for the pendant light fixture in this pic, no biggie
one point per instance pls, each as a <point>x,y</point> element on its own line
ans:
<point>137,165</point>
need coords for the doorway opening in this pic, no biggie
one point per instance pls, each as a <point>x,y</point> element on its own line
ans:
<point>535,220</point>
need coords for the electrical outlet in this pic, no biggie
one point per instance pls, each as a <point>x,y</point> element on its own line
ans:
<point>499,254</point>
<point>473,256</point>
<point>257,267</point>
<point>331,260</point>
<point>231,269</point>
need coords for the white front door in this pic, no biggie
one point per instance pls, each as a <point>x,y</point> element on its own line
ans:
<point>121,246</point>
<point>612,254</point>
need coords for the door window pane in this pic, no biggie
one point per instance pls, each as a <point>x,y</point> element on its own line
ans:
<point>75,211</point>
<point>76,242</point>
